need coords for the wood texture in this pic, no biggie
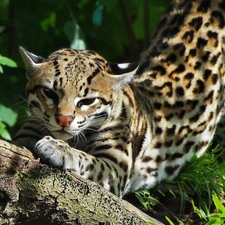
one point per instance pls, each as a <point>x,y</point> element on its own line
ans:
<point>33,193</point>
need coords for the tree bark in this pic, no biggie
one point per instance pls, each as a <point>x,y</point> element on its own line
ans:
<point>33,193</point>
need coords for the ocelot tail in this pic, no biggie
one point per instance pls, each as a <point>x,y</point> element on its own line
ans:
<point>129,126</point>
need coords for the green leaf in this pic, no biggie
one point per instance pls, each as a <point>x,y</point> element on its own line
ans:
<point>218,204</point>
<point>7,115</point>
<point>1,69</point>
<point>3,132</point>
<point>169,221</point>
<point>7,61</point>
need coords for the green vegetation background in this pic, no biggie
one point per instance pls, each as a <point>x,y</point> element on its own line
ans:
<point>119,30</point>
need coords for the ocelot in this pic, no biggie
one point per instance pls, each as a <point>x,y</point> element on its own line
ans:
<point>129,126</point>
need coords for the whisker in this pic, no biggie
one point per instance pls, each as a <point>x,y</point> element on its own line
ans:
<point>81,134</point>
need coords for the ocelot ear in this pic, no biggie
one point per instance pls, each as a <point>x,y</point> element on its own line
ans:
<point>121,74</point>
<point>32,62</point>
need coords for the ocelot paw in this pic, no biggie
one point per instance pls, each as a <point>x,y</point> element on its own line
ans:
<point>52,151</point>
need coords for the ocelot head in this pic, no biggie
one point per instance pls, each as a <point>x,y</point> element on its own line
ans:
<point>72,91</point>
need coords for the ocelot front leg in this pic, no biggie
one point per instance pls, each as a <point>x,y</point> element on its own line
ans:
<point>59,154</point>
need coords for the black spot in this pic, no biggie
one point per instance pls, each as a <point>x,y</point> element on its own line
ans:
<point>55,84</point>
<point>188,36</point>
<point>192,52</point>
<point>142,68</point>
<point>157,105</point>
<point>206,55</point>
<point>86,91</point>
<point>194,118</point>
<point>112,190</point>
<point>157,119</point>
<point>60,80</point>
<point>150,170</point>
<point>204,6</point>
<point>219,16</point>
<point>181,114</point>
<point>179,48</point>
<point>210,97</point>
<point>173,31</point>
<point>178,104</point>
<point>189,76</point>
<point>158,145</point>
<point>200,87</point>
<point>196,23</point>
<point>57,73</point>
<point>214,59</point>
<point>214,78</point>
<point>201,42</point>
<point>123,166</point>
<point>55,63</point>
<point>89,167</point>
<point>158,131</point>
<point>180,69</point>
<point>179,142</point>
<point>213,35</point>
<point>180,91</point>
<point>169,117</point>
<point>197,65</point>
<point>170,59</point>
<point>176,156</point>
<point>206,74</point>
<point>191,104</point>
<point>162,22</point>
<point>171,169</point>
<point>154,53</point>
<point>152,75</point>
<point>202,109</point>
<point>164,45</point>
<point>171,131</point>
<point>188,146</point>
<point>167,105</point>
<point>177,20</point>
<point>160,69</point>
<point>146,159</point>
<point>95,72</point>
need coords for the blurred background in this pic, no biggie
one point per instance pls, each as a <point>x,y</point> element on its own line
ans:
<point>119,30</point>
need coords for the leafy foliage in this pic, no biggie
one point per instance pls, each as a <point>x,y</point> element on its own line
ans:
<point>201,183</point>
<point>5,61</point>
<point>7,115</point>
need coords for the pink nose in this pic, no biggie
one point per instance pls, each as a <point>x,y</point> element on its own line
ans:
<point>63,121</point>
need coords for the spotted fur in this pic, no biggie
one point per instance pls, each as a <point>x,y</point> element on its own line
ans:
<point>129,128</point>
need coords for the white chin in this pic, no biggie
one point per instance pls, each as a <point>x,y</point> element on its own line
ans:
<point>62,135</point>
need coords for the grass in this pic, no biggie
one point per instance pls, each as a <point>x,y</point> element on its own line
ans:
<point>198,189</point>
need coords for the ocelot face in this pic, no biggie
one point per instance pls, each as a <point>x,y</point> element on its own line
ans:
<point>72,91</point>
<point>66,113</point>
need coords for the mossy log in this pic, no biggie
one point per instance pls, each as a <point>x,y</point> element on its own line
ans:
<point>33,193</point>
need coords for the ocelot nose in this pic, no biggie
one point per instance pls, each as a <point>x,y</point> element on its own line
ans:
<point>63,121</point>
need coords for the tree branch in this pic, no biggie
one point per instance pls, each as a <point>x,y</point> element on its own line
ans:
<point>31,192</point>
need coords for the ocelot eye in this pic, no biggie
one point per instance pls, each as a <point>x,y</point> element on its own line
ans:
<point>86,101</point>
<point>50,94</point>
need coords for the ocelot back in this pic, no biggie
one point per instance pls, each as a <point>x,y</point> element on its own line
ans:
<point>125,126</point>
